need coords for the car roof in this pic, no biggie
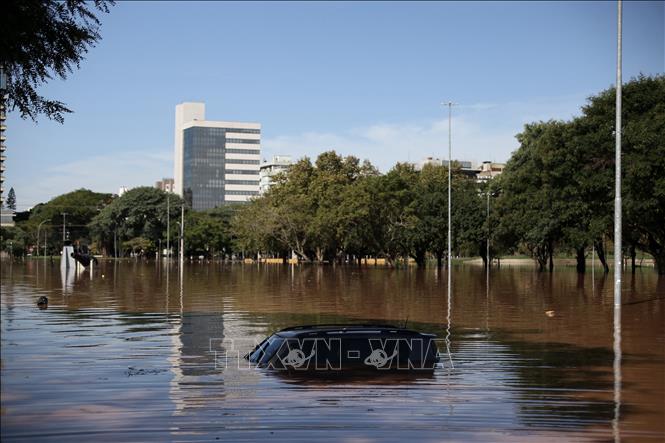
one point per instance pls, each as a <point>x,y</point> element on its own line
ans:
<point>352,329</point>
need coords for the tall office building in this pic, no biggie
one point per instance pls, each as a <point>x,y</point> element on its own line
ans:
<point>216,162</point>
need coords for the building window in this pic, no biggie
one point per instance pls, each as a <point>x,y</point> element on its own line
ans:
<point>231,161</point>
<point>242,182</point>
<point>242,151</point>
<point>240,172</point>
<point>243,140</point>
<point>241,192</point>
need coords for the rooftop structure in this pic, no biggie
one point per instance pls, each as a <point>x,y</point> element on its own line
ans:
<point>279,163</point>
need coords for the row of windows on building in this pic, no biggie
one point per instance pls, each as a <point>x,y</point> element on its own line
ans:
<point>240,172</point>
<point>241,130</point>
<point>231,161</point>
<point>241,192</point>
<point>243,140</point>
<point>243,151</point>
<point>216,183</point>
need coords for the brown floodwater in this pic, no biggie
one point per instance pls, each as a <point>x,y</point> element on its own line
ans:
<point>140,352</point>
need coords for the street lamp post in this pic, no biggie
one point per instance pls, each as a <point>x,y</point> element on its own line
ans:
<point>64,223</point>
<point>450,164</point>
<point>618,262</point>
<point>182,235</point>
<point>168,226</point>
<point>487,253</point>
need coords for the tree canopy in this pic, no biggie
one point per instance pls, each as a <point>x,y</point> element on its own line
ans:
<point>138,213</point>
<point>43,39</point>
<point>557,190</point>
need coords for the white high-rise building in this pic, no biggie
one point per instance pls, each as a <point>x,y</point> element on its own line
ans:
<point>216,162</point>
<point>279,163</point>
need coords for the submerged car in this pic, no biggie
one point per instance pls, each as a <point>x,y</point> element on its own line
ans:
<point>346,347</point>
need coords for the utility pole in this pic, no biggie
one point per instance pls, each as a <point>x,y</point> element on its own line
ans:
<point>182,235</point>
<point>64,218</point>
<point>618,259</point>
<point>168,225</point>
<point>450,166</point>
<point>487,254</point>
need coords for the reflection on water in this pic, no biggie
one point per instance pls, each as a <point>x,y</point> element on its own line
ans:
<point>135,351</point>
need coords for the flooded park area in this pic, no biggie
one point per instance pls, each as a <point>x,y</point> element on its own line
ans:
<point>144,351</point>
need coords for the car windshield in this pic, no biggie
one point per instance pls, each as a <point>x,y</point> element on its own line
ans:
<point>265,350</point>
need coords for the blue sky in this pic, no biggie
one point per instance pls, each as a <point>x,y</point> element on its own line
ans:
<point>365,79</point>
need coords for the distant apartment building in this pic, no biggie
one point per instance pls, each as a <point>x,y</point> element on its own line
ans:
<point>465,166</point>
<point>216,162</point>
<point>6,217</point>
<point>165,184</point>
<point>279,163</point>
<point>489,170</point>
<point>486,171</point>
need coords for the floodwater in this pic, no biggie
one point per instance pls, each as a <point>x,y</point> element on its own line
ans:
<point>138,352</point>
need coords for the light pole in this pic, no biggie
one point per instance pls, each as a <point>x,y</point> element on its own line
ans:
<point>64,222</point>
<point>168,226</point>
<point>182,235</point>
<point>38,229</point>
<point>618,262</point>
<point>450,164</point>
<point>487,253</point>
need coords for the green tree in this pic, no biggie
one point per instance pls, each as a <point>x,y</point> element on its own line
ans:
<point>80,207</point>
<point>359,225</point>
<point>139,246</point>
<point>42,39</point>
<point>558,187</point>
<point>209,233</point>
<point>11,199</point>
<point>532,201</point>
<point>643,160</point>
<point>139,212</point>
<point>14,240</point>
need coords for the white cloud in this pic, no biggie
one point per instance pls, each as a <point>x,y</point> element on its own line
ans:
<point>483,131</point>
<point>105,173</point>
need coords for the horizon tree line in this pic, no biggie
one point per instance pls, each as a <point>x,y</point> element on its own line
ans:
<point>554,196</point>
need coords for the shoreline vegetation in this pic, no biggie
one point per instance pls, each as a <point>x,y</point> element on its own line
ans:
<point>554,199</point>
<point>565,262</point>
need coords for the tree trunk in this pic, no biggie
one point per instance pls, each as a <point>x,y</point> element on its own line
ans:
<point>660,263</point>
<point>658,251</point>
<point>601,256</point>
<point>439,260</point>
<point>581,260</point>
<point>419,256</point>
<point>541,257</point>
<point>632,258</point>
<point>551,254</point>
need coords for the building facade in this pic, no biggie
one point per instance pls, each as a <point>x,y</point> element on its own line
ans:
<point>279,163</point>
<point>165,184</point>
<point>489,170</point>
<point>216,162</point>
<point>486,171</point>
